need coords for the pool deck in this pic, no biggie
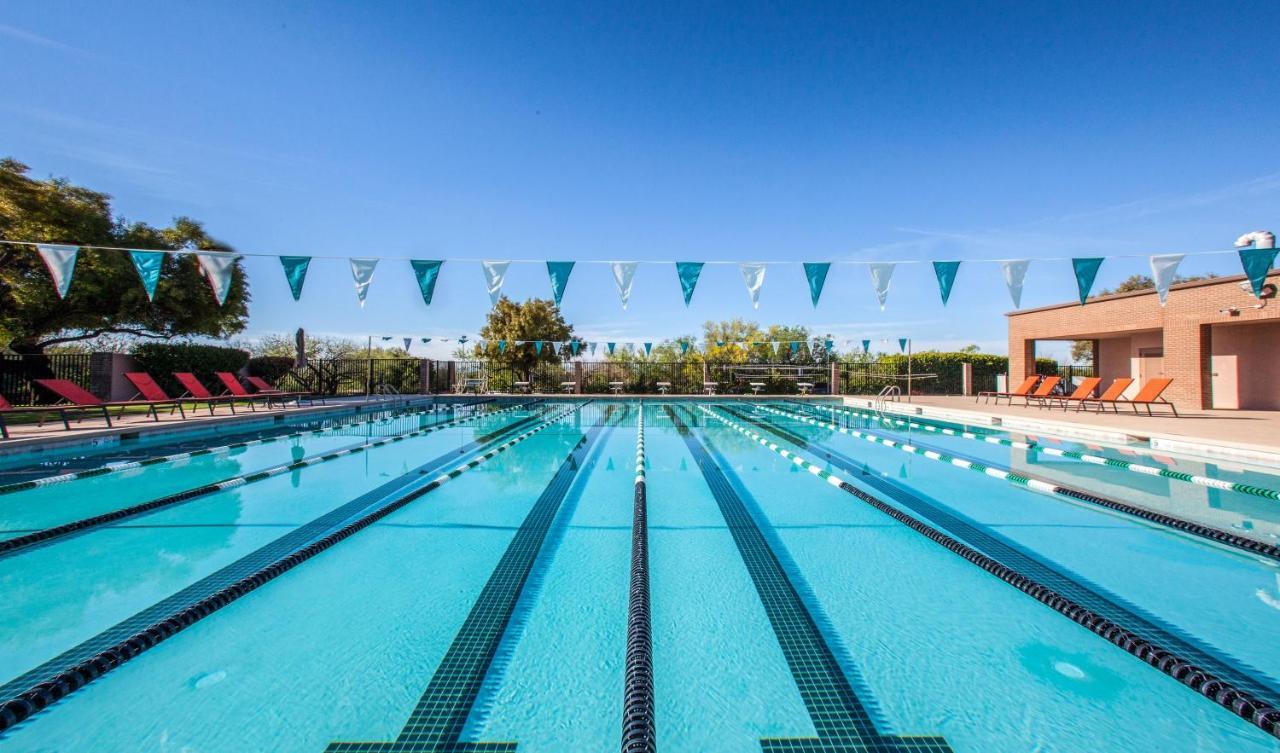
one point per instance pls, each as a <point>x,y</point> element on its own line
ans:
<point>1251,436</point>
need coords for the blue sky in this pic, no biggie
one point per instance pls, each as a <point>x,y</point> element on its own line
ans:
<point>733,131</point>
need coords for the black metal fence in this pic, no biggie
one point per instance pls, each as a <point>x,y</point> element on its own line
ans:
<point>18,374</point>
<point>356,376</point>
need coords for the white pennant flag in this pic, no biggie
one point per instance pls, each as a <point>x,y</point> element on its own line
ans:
<point>753,276</point>
<point>217,270</point>
<point>881,274</point>
<point>362,273</point>
<point>623,272</point>
<point>61,261</point>
<point>494,273</point>
<point>1015,271</point>
<point>1163,270</point>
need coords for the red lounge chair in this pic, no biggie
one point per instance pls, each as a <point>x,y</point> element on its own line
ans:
<point>1023,390</point>
<point>6,409</point>
<point>150,390</point>
<point>196,390</point>
<point>1110,397</point>
<point>1084,390</point>
<point>264,388</point>
<point>233,387</point>
<point>1150,394</point>
<point>77,397</point>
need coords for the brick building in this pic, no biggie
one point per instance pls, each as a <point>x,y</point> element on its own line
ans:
<point>1220,345</point>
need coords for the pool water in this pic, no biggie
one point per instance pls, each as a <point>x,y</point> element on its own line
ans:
<point>465,579</point>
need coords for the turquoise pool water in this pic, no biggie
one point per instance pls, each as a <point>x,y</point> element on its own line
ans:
<point>462,579</point>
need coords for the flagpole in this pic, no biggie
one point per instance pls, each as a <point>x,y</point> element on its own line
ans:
<point>909,369</point>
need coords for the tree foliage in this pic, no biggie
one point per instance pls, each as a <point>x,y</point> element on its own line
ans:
<point>106,297</point>
<point>535,319</point>
<point>323,347</point>
<point>1142,282</point>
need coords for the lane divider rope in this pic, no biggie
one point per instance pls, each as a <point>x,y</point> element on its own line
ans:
<point>126,465</point>
<point>638,735</point>
<point>1216,535</point>
<point>1244,705</point>
<point>70,680</point>
<point>1127,465</point>
<point>45,535</point>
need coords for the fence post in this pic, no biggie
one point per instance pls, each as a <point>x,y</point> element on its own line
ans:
<point>577,377</point>
<point>834,389</point>
<point>452,380</point>
<point>424,376</point>
<point>966,379</point>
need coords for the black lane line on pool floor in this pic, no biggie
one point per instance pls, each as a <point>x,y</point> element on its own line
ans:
<point>842,720</point>
<point>76,667</point>
<point>638,731</point>
<point>1239,700</point>
<point>440,717</point>
<point>55,534</point>
<point>1216,535</point>
<point>1116,608</point>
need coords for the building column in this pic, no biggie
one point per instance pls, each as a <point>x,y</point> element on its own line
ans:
<point>1186,362</point>
<point>1022,358</point>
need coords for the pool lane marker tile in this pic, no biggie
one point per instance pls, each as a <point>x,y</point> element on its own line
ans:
<point>441,715</point>
<point>78,666</point>
<point>843,722</point>
<point>1216,535</point>
<point>126,465</point>
<point>1244,704</point>
<point>638,733</point>
<point>1127,465</point>
<point>11,546</point>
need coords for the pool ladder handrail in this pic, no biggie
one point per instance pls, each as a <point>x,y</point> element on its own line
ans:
<point>887,393</point>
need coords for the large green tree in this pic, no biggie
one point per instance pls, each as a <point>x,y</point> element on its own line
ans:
<point>106,297</point>
<point>535,319</point>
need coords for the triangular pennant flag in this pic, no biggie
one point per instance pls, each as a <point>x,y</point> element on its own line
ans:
<point>537,346</point>
<point>362,274</point>
<point>688,271</point>
<point>1163,270</point>
<point>407,342</point>
<point>1256,263</point>
<point>295,272</point>
<point>217,270</point>
<point>684,347</point>
<point>386,338</point>
<point>611,346</point>
<point>1015,273</point>
<point>502,346</point>
<point>462,339</point>
<point>551,346</point>
<point>426,272</point>
<point>902,344</point>
<point>148,264</point>
<point>778,347</point>
<point>719,343</point>
<point>559,272</point>
<point>1086,272</point>
<point>866,346</point>
<point>61,263</point>
<point>494,273</point>
<point>753,276</point>
<point>831,344</point>
<point>574,347</point>
<point>816,272</point>
<point>426,340</point>
<point>623,273</point>
<point>592,346</point>
<point>795,348</point>
<point>946,272</point>
<point>881,274</point>
<point>648,348</point>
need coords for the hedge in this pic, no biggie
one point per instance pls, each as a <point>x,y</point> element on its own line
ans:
<point>270,368</point>
<point>864,377</point>
<point>160,360</point>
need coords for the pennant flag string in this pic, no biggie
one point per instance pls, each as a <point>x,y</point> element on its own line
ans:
<point>148,264</point>
<point>61,263</point>
<point>816,273</point>
<point>946,273</point>
<point>426,273</point>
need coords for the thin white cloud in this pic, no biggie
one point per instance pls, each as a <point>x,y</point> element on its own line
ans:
<point>30,37</point>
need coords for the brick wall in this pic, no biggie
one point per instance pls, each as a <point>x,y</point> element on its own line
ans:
<point>1186,324</point>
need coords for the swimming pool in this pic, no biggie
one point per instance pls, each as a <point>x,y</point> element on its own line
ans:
<point>551,575</point>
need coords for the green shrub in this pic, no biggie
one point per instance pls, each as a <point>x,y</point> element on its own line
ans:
<point>162,359</point>
<point>869,377</point>
<point>270,368</point>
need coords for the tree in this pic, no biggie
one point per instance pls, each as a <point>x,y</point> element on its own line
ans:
<point>1082,351</point>
<point>322,347</point>
<point>1142,282</point>
<point>106,296</point>
<point>535,319</point>
<point>971,348</point>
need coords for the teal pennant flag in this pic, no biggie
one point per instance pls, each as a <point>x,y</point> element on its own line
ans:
<point>575,346</point>
<point>611,346</point>
<point>831,344</point>
<point>537,346</point>
<point>1086,272</point>
<point>502,346</point>
<point>688,272</point>
<point>148,264</point>
<point>295,271</point>
<point>1257,262</point>
<point>559,272</point>
<point>816,272</point>
<point>684,347</point>
<point>946,272</point>
<point>648,348</point>
<point>866,346</point>
<point>426,272</point>
<point>795,347</point>
<point>902,344</point>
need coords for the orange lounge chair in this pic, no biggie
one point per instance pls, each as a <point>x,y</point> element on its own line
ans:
<point>1023,390</point>
<point>233,387</point>
<point>1043,391</point>
<point>1150,394</point>
<point>75,397</point>
<point>196,390</point>
<point>264,388</point>
<point>1084,390</point>
<point>1110,397</point>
